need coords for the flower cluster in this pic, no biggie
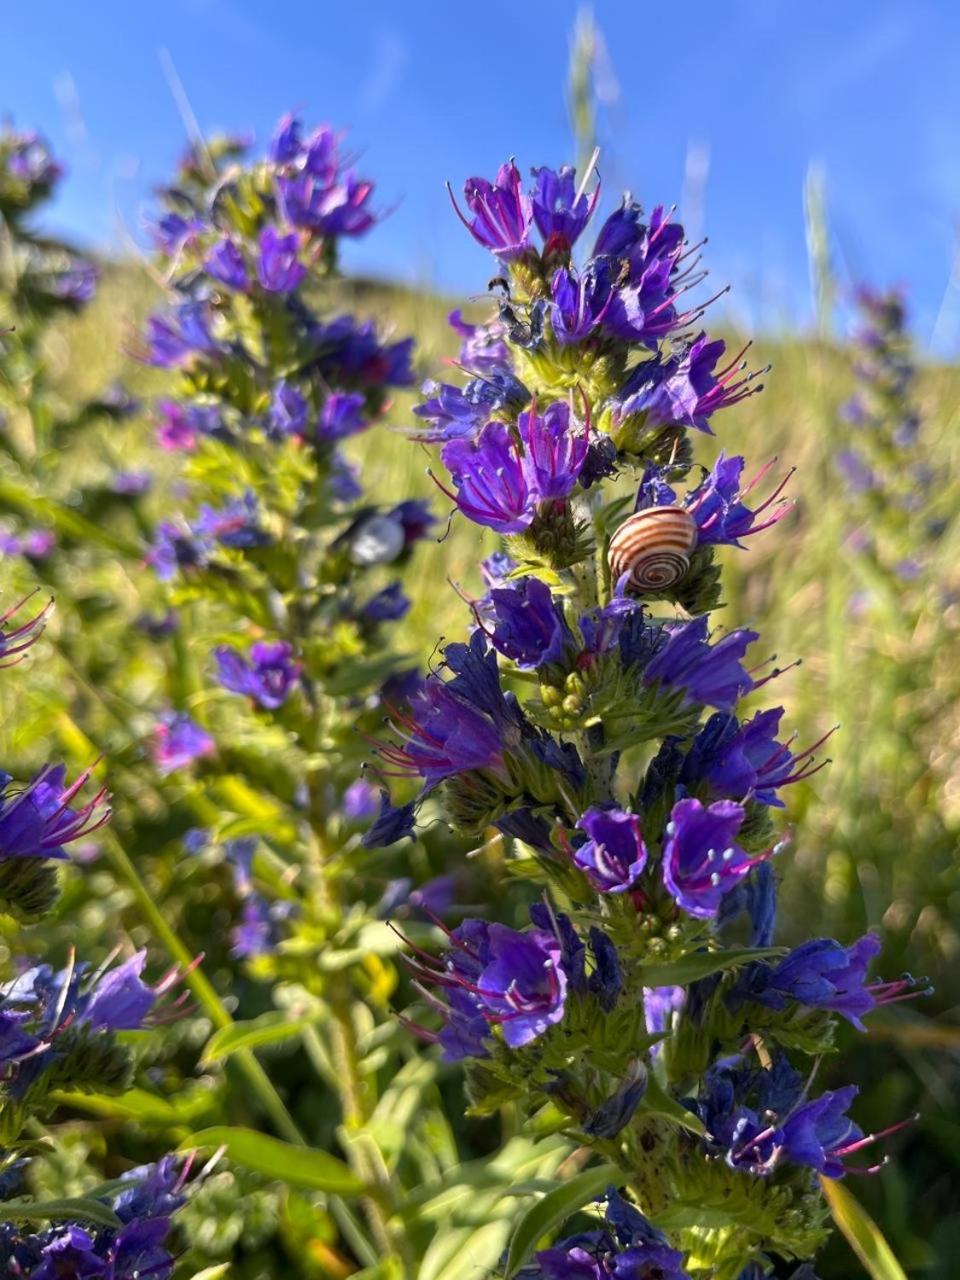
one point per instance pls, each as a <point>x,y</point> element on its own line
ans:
<point>595,719</point>
<point>883,461</point>
<point>137,1246</point>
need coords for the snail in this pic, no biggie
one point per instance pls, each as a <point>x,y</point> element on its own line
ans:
<point>654,545</point>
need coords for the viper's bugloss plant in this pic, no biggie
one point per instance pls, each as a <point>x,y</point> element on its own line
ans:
<point>282,583</point>
<point>595,717</point>
<point>59,1032</point>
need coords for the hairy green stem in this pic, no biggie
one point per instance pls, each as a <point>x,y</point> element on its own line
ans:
<point>204,992</point>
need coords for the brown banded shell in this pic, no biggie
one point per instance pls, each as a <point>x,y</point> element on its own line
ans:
<point>654,546</point>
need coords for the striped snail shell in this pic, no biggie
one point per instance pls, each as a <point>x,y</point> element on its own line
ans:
<point>654,545</point>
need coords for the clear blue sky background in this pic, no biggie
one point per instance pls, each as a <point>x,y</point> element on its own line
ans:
<point>867,89</point>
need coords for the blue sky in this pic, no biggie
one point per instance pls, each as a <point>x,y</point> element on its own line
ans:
<point>866,89</point>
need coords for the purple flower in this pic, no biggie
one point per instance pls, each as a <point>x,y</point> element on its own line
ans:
<point>173,230</point>
<point>178,741</point>
<point>739,760</point>
<point>268,677</point>
<point>359,801</point>
<point>328,207</point>
<point>701,859</point>
<point>393,823</point>
<point>482,346</point>
<point>721,515</point>
<point>286,144</point>
<point>614,854</point>
<point>443,734</point>
<point>559,212</point>
<point>580,302</point>
<point>621,230</point>
<point>711,674</point>
<point>492,485</point>
<point>457,412</point>
<point>288,409</point>
<point>226,264</point>
<point>16,639</point>
<point>415,518</point>
<point>176,337</point>
<point>177,428</point>
<point>819,1133</point>
<point>502,213</point>
<point>277,268</point>
<point>388,605</point>
<point>121,1000</point>
<point>825,975</point>
<point>342,415</point>
<point>77,284</point>
<point>683,389</point>
<point>659,1006</point>
<point>497,976</point>
<point>529,625</point>
<point>175,548</point>
<point>501,477</point>
<point>235,525</point>
<point>131,484</point>
<point>38,820</point>
<point>629,1248</point>
<point>523,988</point>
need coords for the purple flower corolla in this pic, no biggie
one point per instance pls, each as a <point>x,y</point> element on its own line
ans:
<point>627,1248</point>
<point>717,505</point>
<point>580,301</point>
<point>710,674</point>
<point>225,263</point>
<point>701,858</point>
<point>495,976</point>
<point>457,412</point>
<point>614,853</point>
<point>528,624</point>
<point>740,760</point>
<point>286,145</point>
<point>176,337</point>
<point>121,1000</point>
<point>177,430</point>
<point>684,389</point>
<point>388,605</point>
<point>825,975</point>
<point>502,213</point>
<point>77,284</point>
<point>492,486</point>
<point>278,269</point>
<point>555,447</point>
<point>268,676</point>
<point>482,346</point>
<point>359,801</point>
<point>342,415</point>
<point>819,1133</point>
<point>171,232</point>
<point>38,820</point>
<point>288,410</point>
<point>236,525</point>
<point>175,548</point>
<point>442,734</point>
<point>336,208</point>
<point>131,484</point>
<point>560,212</point>
<point>644,309</point>
<point>178,741</point>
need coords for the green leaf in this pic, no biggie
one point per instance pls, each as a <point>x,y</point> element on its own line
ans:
<point>862,1233</point>
<point>80,1208</point>
<point>137,1104</point>
<point>553,1209</point>
<point>269,1028</point>
<point>297,1166</point>
<point>700,964</point>
<point>657,1100</point>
